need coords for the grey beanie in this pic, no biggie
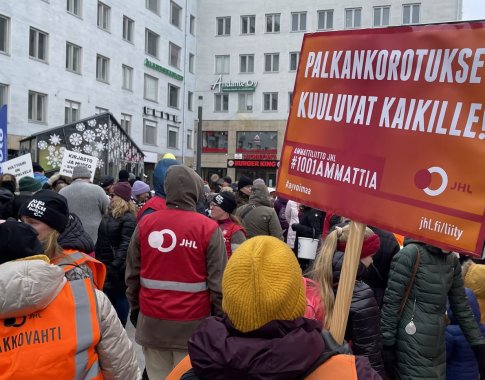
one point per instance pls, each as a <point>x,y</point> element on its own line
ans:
<point>80,171</point>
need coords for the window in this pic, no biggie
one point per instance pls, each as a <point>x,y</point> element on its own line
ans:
<point>127,73</point>
<point>325,19</point>
<point>172,137</point>
<point>126,123</point>
<point>175,15</point>
<point>37,107</point>
<point>102,68</point>
<point>38,44</point>
<point>381,16</point>
<point>192,25</point>
<point>222,64</point>
<point>3,94</point>
<point>153,5</point>
<point>128,26</point>
<point>353,18</point>
<point>71,111</point>
<point>245,103</point>
<point>74,7</point>
<point>174,55</point>
<point>190,101</point>
<point>149,132</point>
<point>246,63</point>
<point>150,88</point>
<point>103,16</point>
<point>270,101</point>
<point>271,62</point>
<point>290,100</point>
<point>214,142</point>
<point>223,26</point>
<point>189,139</point>
<point>151,43</point>
<point>173,96</point>
<point>98,110</point>
<point>294,58</point>
<point>73,58</point>
<point>410,14</point>
<point>273,23</point>
<point>265,142</point>
<point>298,21</point>
<point>191,62</point>
<point>248,24</point>
<point>221,102</point>
<point>4,33</point>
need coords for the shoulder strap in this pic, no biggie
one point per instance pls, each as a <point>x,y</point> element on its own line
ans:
<point>411,281</point>
<point>248,209</point>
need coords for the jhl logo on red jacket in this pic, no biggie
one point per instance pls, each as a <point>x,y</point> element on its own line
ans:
<point>166,240</point>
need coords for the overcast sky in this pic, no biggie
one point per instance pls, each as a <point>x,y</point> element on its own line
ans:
<point>473,9</point>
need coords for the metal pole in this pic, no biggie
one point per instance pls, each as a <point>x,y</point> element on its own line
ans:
<point>199,137</point>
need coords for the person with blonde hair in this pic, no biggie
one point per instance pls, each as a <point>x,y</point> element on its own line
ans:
<point>363,325</point>
<point>114,235</point>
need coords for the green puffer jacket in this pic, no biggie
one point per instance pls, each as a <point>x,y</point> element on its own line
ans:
<point>438,278</point>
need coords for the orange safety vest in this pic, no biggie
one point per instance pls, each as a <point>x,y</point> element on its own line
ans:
<point>57,342</point>
<point>73,258</point>
<point>341,367</point>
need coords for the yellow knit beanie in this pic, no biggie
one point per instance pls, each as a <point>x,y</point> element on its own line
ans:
<point>262,283</point>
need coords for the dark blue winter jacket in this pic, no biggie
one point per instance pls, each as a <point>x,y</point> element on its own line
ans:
<point>460,360</point>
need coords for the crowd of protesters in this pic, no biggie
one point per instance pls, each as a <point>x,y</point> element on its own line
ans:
<point>210,275</point>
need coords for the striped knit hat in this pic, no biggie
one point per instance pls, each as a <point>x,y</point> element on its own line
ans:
<point>262,283</point>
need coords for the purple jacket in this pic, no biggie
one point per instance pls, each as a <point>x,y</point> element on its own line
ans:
<point>279,350</point>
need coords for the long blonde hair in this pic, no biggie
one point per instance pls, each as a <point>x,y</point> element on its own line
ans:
<point>120,207</point>
<point>51,248</point>
<point>322,272</point>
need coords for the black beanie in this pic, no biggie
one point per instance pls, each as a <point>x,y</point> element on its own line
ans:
<point>226,201</point>
<point>18,240</point>
<point>243,182</point>
<point>49,207</point>
<point>123,176</point>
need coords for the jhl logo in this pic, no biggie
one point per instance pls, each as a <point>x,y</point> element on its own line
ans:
<point>166,240</point>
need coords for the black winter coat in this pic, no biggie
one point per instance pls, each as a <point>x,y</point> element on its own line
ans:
<point>364,325</point>
<point>311,224</point>
<point>6,203</point>
<point>114,237</point>
<point>74,236</point>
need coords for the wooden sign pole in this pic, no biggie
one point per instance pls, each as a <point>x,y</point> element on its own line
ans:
<point>347,281</point>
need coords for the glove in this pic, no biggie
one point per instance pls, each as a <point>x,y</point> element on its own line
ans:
<point>134,316</point>
<point>389,358</point>
<point>479,351</point>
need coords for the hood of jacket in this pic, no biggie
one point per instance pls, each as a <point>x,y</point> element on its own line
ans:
<point>337,262</point>
<point>183,187</point>
<point>279,350</point>
<point>5,195</point>
<point>74,236</point>
<point>27,286</point>
<point>473,304</point>
<point>475,279</point>
<point>430,248</point>
<point>260,196</point>
<point>159,175</point>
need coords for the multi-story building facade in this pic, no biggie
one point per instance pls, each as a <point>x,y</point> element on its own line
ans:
<point>247,57</point>
<point>61,61</point>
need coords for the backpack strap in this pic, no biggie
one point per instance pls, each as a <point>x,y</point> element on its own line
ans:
<point>247,210</point>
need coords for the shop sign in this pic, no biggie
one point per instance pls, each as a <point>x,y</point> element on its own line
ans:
<point>253,164</point>
<point>163,70</point>
<point>255,156</point>
<point>234,86</point>
<point>162,115</point>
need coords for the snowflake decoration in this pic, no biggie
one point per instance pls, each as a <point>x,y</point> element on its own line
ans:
<point>77,149</point>
<point>100,164</point>
<point>51,148</point>
<point>95,153</point>
<point>80,127</point>
<point>102,131</point>
<point>100,145</point>
<point>62,150</point>
<point>89,135</point>
<point>75,139</point>
<point>54,159</point>
<point>88,149</point>
<point>42,145</point>
<point>55,139</point>
<point>92,123</point>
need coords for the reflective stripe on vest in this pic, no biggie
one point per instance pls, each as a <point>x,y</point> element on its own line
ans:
<point>174,285</point>
<point>74,258</point>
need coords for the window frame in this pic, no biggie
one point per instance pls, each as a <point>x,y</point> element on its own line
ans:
<point>176,130</point>
<point>4,90</point>
<point>155,82</point>
<point>68,107</point>
<point>128,29</point>
<point>248,58</point>
<point>32,114</point>
<point>223,102</point>
<point>411,7</point>
<point>150,124</point>
<point>325,13</point>
<point>192,25</point>
<point>191,63</point>
<point>250,19</point>
<point>273,17</point>
<point>189,142</point>
<point>72,3</point>
<point>169,97</point>
<point>157,6</point>
<point>100,110</point>
<point>6,41</point>
<point>223,57</point>
<point>104,60</point>
<point>381,9</point>
<point>271,95</point>
<point>37,34</point>
<point>272,62</point>
<point>190,101</point>
<point>128,69</point>
<point>226,26</point>
<point>180,9</point>
<point>70,47</point>
<point>292,53</point>
<point>125,122</point>
<point>178,50</point>
<point>149,33</point>
<point>353,11</point>
<point>300,15</point>
<point>104,17</point>
<point>243,107</point>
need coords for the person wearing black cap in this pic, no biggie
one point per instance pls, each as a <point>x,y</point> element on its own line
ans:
<point>48,214</point>
<point>106,182</point>
<point>52,328</point>
<point>244,186</point>
<point>123,176</point>
<point>221,208</point>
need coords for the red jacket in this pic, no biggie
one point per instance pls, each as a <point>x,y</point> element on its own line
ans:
<point>156,203</point>
<point>173,272</point>
<point>229,228</point>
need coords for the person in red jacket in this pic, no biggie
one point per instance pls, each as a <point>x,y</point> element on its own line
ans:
<point>174,271</point>
<point>222,207</point>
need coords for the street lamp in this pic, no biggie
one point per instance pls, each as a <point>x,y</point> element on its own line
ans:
<point>199,136</point>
